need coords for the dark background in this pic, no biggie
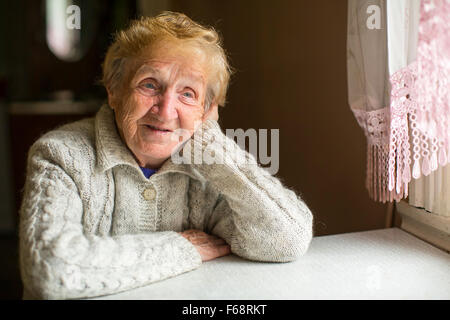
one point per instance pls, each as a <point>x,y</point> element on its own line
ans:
<point>290,63</point>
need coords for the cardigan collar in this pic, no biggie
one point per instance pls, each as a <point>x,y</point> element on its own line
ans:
<point>112,151</point>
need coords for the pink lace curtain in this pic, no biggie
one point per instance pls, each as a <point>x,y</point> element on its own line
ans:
<point>399,89</point>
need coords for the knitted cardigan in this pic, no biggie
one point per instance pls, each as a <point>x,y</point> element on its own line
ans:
<point>91,224</point>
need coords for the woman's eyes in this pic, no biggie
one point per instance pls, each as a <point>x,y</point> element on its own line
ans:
<point>188,94</point>
<point>150,86</point>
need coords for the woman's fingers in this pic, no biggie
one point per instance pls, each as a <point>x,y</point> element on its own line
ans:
<point>209,246</point>
<point>213,251</point>
<point>211,242</point>
<point>191,231</point>
<point>223,250</point>
<point>197,234</point>
<point>206,241</point>
<point>193,234</point>
<point>212,113</point>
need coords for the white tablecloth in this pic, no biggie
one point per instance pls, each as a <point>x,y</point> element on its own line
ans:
<point>379,264</point>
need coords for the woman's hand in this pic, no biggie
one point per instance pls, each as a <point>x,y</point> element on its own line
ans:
<point>209,246</point>
<point>212,113</point>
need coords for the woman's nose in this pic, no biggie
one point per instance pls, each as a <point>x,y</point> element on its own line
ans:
<point>166,107</point>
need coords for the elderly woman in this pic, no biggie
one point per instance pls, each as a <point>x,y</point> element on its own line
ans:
<point>105,207</point>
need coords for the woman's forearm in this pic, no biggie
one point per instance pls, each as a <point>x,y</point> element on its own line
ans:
<point>270,221</point>
<point>59,260</point>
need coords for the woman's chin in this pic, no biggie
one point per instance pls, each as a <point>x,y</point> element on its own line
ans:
<point>156,150</point>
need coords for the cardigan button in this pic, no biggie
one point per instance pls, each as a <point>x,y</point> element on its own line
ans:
<point>149,194</point>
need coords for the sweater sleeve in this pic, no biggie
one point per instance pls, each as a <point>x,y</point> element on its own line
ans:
<point>255,214</point>
<point>58,260</point>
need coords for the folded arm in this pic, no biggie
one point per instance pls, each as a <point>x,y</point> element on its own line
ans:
<point>59,260</point>
<point>259,217</point>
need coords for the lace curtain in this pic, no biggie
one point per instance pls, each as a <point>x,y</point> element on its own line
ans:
<point>398,64</point>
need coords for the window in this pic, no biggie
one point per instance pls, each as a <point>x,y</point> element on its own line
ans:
<point>426,213</point>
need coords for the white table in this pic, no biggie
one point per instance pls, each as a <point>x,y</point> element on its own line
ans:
<point>379,264</point>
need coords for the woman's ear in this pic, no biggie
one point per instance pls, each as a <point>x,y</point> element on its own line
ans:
<point>111,98</point>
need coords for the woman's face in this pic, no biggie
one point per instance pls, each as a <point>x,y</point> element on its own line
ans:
<point>164,91</point>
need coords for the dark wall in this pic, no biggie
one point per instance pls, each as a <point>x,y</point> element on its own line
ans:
<point>34,72</point>
<point>290,62</point>
<point>290,58</point>
<point>30,72</point>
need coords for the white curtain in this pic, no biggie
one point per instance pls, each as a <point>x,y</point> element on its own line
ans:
<point>368,86</point>
<point>399,89</point>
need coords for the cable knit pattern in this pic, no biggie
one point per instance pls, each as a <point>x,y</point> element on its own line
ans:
<point>91,224</point>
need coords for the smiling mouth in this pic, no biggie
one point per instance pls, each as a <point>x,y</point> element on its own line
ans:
<point>157,129</point>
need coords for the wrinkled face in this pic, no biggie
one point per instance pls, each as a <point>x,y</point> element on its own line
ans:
<point>163,94</point>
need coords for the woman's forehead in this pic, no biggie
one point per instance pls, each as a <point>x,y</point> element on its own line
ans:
<point>167,57</point>
<point>166,68</point>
